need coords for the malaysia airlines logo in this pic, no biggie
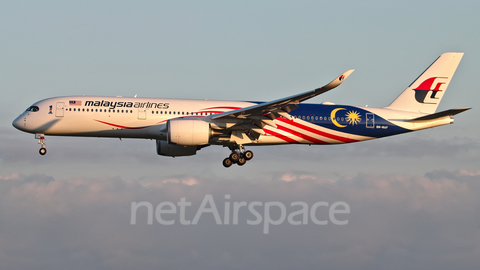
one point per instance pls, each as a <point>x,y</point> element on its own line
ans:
<point>432,84</point>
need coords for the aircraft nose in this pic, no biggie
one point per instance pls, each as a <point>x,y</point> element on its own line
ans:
<point>19,123</point>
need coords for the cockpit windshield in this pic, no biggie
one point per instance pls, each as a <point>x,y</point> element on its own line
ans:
<point>33,109</point>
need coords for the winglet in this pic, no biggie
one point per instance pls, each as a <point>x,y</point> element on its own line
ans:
<point>337,81</point>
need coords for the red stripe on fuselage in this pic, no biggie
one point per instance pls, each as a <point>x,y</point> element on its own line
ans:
<point>280,136</point>
<point>220,107</point>
<point>301,135</point>
<point>316,131</point>
<point>119,126</point>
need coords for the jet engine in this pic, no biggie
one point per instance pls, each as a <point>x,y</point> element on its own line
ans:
<point>188,132</point>
<point>173,150</point>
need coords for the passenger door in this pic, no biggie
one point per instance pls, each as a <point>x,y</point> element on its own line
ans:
<point>59,109</point>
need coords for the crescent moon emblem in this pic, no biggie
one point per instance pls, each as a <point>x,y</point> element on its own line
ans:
<point>334,121</point>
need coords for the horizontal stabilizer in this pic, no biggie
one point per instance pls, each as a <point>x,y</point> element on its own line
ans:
<point>433,116</point>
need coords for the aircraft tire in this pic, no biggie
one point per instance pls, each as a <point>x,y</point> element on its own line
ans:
<point>227,162</point>
<point>42,151</point>
<point>234,156</point>
<point>248,155</point>
<point>241,161</point>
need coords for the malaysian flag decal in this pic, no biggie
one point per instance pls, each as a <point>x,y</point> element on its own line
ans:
<point>75,102</point>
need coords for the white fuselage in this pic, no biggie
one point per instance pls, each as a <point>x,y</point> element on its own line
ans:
<point>128,117</point>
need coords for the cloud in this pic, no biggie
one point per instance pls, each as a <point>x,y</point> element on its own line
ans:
<point>10,176</point>
<point>396,221</point>
<point>137,159</point>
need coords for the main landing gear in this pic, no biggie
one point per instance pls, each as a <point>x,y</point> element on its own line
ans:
<point>41,137</point>
<point>238,156</point>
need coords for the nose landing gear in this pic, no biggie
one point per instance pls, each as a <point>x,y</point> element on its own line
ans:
<point>43,149</point>
<point>238,156</point>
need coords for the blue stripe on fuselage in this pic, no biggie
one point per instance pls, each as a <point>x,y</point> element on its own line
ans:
<point>347,119</point>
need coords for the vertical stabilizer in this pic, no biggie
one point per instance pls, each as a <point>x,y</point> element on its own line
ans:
<point>426,92</point>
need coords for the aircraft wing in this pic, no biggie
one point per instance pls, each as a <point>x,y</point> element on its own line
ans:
<point>280,107</point>
<point>248,122</point>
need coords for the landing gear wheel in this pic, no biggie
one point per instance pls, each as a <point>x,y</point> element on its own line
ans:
<point>234,156</point>
<point>241,161</point>
<point>248,155</point>
<point>41,141</point>
<point>227,162</point>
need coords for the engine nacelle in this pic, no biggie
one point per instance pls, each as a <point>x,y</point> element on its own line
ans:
<point>172,150</point>
<point>188,132</point>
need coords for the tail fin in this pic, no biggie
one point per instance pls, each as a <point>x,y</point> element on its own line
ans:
<point>426,92</point>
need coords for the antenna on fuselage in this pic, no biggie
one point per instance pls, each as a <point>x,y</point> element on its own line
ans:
<point>135,96</point>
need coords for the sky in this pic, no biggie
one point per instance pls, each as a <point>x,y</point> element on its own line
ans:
<point>413,199</point>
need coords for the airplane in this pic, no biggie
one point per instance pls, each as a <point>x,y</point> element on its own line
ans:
<point>181,127</point>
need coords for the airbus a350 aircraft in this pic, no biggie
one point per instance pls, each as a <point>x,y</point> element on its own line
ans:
<point>181,127</point>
